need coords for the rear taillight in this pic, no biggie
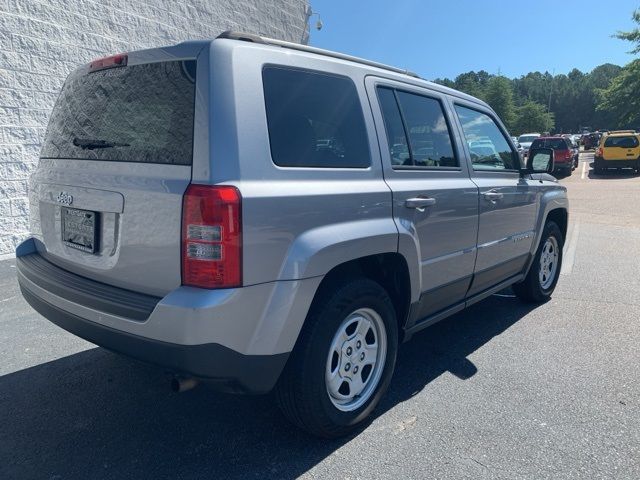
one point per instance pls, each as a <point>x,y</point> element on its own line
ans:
<point>211,236</point>
<point>119,60</point>
<point>599,152</point>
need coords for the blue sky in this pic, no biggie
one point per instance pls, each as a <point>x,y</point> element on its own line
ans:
<point>443,38</point>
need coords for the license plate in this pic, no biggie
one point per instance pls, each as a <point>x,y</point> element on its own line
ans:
<point>80,229</point>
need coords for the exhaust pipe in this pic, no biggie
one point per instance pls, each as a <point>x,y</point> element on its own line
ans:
<point>182,384</point>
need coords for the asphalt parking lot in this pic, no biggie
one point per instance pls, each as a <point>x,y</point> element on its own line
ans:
<point>501,390</point>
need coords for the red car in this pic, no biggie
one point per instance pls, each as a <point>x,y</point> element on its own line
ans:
<point>563,152</point>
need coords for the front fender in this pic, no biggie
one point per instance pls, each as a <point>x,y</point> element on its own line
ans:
<point>550,200</point>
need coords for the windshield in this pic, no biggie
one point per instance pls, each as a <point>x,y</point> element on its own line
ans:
<point>139,113</point>
<point>527,138</point>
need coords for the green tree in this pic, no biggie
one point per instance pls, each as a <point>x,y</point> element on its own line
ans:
<point>499,95</point>
<point>572,98</point>
<point>634,35</point>
<point>532,117</point>
<point>472,83</point>
<point>620,100</point>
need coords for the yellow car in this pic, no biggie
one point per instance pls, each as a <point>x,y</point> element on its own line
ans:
<point>618,149</point>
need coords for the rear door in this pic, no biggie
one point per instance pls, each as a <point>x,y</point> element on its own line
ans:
<point>621,148</point>
<point>117,156</point>
<point>508,202</point>
<point>433,198</point>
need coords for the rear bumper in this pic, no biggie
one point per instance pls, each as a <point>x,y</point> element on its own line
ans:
<point>239,338</point>
<point>227,369</point>
<point>567,165</point>
<point>600,162</point>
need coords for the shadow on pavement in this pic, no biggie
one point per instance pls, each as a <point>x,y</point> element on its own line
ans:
<point>97,415</point>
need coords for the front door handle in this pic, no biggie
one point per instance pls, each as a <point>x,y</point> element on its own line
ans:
<point>492,195</point>
<point>420,203</point>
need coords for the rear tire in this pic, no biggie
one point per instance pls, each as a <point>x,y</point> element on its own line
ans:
<point>343,361</point>
<point>542,278</point>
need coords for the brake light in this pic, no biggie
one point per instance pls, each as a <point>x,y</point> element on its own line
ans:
<point>599,152</point>
<point>211,236</point>
<point>119,60</point>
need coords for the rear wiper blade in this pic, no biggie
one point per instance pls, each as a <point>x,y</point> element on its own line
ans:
<point>91,143</point>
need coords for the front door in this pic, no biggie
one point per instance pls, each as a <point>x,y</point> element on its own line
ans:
<point>508,203</point>
<point>435,203</point>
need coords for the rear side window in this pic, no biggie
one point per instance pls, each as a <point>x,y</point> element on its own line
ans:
<point>488,146</point>
<point>554,143</point>
<point>621,142</point>
<point>417,130</point>
<point>314,120</point>
<point>137,113</point>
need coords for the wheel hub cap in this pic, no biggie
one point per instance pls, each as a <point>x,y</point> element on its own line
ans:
<point>548,263</point>
<point>356,359</point>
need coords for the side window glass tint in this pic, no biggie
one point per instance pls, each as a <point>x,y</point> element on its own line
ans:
<point>314,120</point>
<point>417,131</point>
<point>428,132</point>
<point>488,147</point>
<point>397,140</point>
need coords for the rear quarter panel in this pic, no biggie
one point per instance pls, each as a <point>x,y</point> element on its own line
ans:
<point>297,222</point>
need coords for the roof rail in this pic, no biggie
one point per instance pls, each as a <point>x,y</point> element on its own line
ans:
<point>249,37</point>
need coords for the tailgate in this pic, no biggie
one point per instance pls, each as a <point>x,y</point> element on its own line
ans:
<point>106,199</point>
<point>621,148</point>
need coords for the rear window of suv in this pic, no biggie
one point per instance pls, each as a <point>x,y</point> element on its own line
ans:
<point>621,142</point>
<point>314,119</point>
<point>554,143</point>
<point>137,113</point>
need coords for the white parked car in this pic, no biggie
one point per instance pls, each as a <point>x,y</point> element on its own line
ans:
<point>525,141</point>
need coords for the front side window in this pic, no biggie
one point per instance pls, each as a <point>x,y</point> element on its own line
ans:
<point>488,147</point>
<point>417,130</point>
<point>314,120</point>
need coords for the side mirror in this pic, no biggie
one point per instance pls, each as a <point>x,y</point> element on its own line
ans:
<point>540,160</point>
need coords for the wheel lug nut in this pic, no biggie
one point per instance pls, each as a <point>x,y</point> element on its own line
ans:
<point>349,350</point>
<point>347,367</point>
<point>362,356</point>
<point>358,344</point>
<point>355,369</point>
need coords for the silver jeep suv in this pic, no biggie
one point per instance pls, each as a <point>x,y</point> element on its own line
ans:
<point>270,216</point>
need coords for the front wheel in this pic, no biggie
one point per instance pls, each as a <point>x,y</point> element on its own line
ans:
<point>343,361</point>
<point>544,273</point>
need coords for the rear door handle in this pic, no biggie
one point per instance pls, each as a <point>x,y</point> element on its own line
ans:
<point>419,202</point>
<point>492,195</point>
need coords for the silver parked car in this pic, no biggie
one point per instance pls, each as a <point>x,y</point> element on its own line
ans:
<point>525,140</point>
<point>265,215</point>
